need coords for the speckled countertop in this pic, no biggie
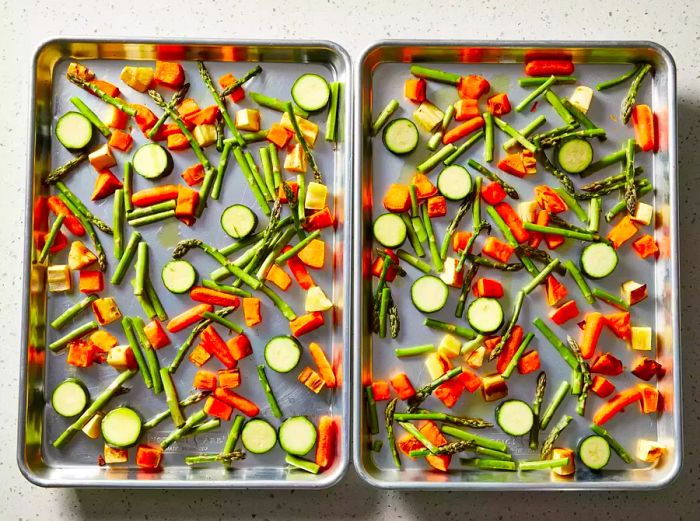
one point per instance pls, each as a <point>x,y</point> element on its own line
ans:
<point>351,23</point>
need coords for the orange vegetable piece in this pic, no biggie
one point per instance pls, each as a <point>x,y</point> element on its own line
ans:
<point>397,198</point>
<point>645,246</point>
<point>318,220</point>
<point>549,67</point>
<point>529,362</point>
<point>213,297</point>
<point>218,409</point>
<point>239,347</point>
<point>169,74</point>
<point>466,108</point>
<point>424,187</point>
<point>325,368</point>
<point>650,398</point>
<point>194,174</point>
<point>188,317</point>
<point>214,344</point>
<point>199,356</point>
<point>408,444</point>
<point>380,390</point>
<point>549,200</point>
<point>278,135</point>
<point>186,207</point>
<point>498,104</point>
<point>437,206</point>
<point>402,386</point>
<point>646,369</point>
<point>145,119</point>
<point>536,237</point>
<point>460,240</point>
<point>116,119</point>
<point>106,184</point>
<point>607,364</point>
<point>71,222</point>
<point>251,311</point>
<point>236,401</point>
<point>148,456</point>
<point>591,333</point>
<point>493,193</point>
<point>564,313</point>
<point>299,271</point>
<point>622,231</point>
<point>519,164</point>
<point>278,277</point>
<point>120,140</point>
<point>643,123</point>
<point>187,107</point>
<point>157,194</point>
<point>414,90</point>
<point>103,340</point>
<point>325,445</point>
<point>229,378</point>
<point>166,130</point>
<point>473,86</point>
<point>471,381</point>
<point>487,288</point>
<point>91,281</point>
<point>619,323</point>
<point>204,380</point>
<point>306,323</point>
<point>555,291</point>
<point>108,88</point>
<point>81,353</point>
<point>513,220</point>
<point>205,116</point>
<point>450,392</point>
<point>616,405</point>
<point>462,130</point>
<point>178,142</point>
<point>156,334</point>
<point>431,431</point>
<point>313,254</point>
<point>602,386</point>
<point>510,348</point>
<point>497,249</point>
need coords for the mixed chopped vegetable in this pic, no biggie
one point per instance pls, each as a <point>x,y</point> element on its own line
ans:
<point>550,230</point>
<point>275,246</point>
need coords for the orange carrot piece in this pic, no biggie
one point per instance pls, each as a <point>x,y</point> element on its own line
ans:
<point>378,267</point>
<point>116,119</point>
<point>213,297</point>
<point>529,362</point>
<point>299,271</point>
<point>103,340</point>
<point>473,86</point>
<point>106,183</point>
<point>616,405</point>
<point>408,444</point>
<point>545,67</point>
<point>403,386</point>
<point>306,323</point>
<point>498,104</point>
<point>462,130</point>
<point>156,334</point>
<point>591,333</point>
<point>186,206</point>
<point>437,206</point>
<point>493,193</point>
<point>194,174</point>
<point>108,88</point>
<point>471,381</point>
<point>187,107</point>
<point>619,323</point>
<point>199,356</point>
<point>71,222</point>
<point>157,194</point>
<point>602,386</point>
<point>91,281</point>
<point>188,317</point>
<point>239,347</point>
<point>510,348</point>
<point>251,311</point>
<point>178,142</point>
<point>460,240</point>
<point>555,291</point>
<point>622,231</point>
<point>431,431</point>
<point>325,446</point>
<point>645,246</point>
<point>144,117</point>
<point>218,409</point>
<point>148,456</point>
<point>120,140</point>
<point>643,122</point>
<point>214,344</point>
<point>650,398</point>
<point>81,353</point>
<point>450,392</point>
<point>318,220</point>
<point>278,135</point>
<point>236,401</point>
<point>646,369</point>
<point>549,200</point>
<point>229,378</point>
<point>380,390</point>
<point>325,368</point>
<point>496,249</point>
<point>466,108</point>
<point>313,254</point>
<point>205,116</point>
<point>397,198</point>
<point>564,313</point>
<point>424,187</point>
<point>513,220</point>
<point>278,277</point>
<point>169,74</point>
<point>607,364</point>
<point>204,380</point>
<point>414,90</point>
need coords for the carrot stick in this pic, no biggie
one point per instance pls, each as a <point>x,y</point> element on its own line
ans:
<point>591,333</point>
<point>643,122</point>
<point>236,401</point>
<point>188,317</point>
<point>325,446</point>
<point>154,195</point>
<point>462,130</point>
<point>324,366</point>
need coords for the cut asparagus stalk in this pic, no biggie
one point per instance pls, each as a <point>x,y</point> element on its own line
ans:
<point>96,90</point>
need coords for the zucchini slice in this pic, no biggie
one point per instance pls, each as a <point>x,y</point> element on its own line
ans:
<point>152,161</point>
<point>178,276</point>
<point>575,155</point>
<point>594,452</point>
<point>121,427</point>
<point>598,260</point>
<point>282,353</point>
<point>389,230</point>
<point>485,315</point>
<point>311,92</point>
<point>297,435</point>
<point>515,417</point>
<point>74,130</point>
<point>70,397</point>
<point>258,436</point>
<point>454,182</point>
<point>238,221</point>
<point>400,136</point>
<point>429,294</point>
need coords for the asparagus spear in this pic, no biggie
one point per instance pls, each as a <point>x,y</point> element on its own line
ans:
<point>411,429</point>
<point>454,156</point>
<point>601,187</point>
<point>118,216</point>
<point>232,438</point>
<point>581,117</point>
<point>383,117</point>
<point>556,343</point>
<point>51,237</point>
<point>553,132</point>
<point>631,98</point>
<point>505,127</point>
<point>248,173</point>
<point>171,397</point>
<point>95,89</point>
<point>372,419</point>
<point>149,353</point>
<point>389,423</point>
<point>488,136</point>
<point>449,231</point>
<point>586,374</point>
<point>434,159</point>
<point>479,226</point>
<point>564,179</point>
<point>185,402</point>
<point>526,131</point>
<point>548,444</point>
<point>535,94</point>
<point>462,421</point>
<point>129,332</point>
<point>219,133</point>
<point>543,464</point>
<point>580,281</point>
<point>177,434</point>
<point>571,234</point>
<point>77,333</point>
<point>540,256</point>
<point>275,104</point>
<point>265,383</point>
<point>435,75</point>
<point>393,317</point>
<point>518,354</point>
<point>172,104</point>
<point>492,176</point>
<point>126,258</point>
<point>517,306</point>
<point>603,85</point>
<point>466,287</point>
<point>128,185</point>
<point>220,171</point>
<point>603,433</point>
<point>413,261</point>
<point>449,328</point>
<point>242,80</point>
<point>510,239</point>
<point>643,188</point>
<point>374,319</point>
<point>383,310</point>
<point>402,352</point>
<point>223,457</point>
<point>630,186</point>
<point>562,392</point>
<point>58,173</point>
<point>536,405</point>
<point>91,116</point>
<point>558,106</point>
<point>95,406</point>
<point>87,214</point>
<point>449,449</point>
<point>72,311</point>
<point>438,264</point>
<point>332,121</point>
<point>480,441</point>
<point>206,78</point>
<point>535,81</point>
<point>584,133</point>
<point>610,299</point>
<point>421,394</point>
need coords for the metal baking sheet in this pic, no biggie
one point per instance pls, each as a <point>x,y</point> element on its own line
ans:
<point>41,370</point>
<point>380,74</point>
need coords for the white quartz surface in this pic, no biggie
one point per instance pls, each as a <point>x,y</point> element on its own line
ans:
<point>353,24</point>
